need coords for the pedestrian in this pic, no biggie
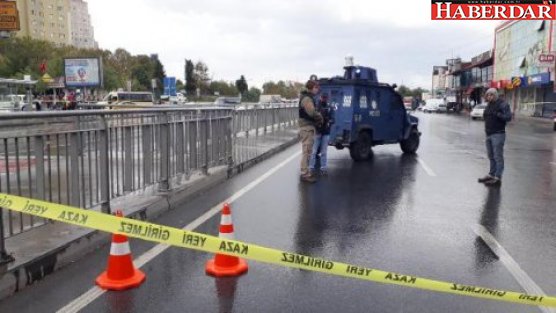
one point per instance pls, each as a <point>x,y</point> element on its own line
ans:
<point>309,119</point>
<point>320,145</point>
<point>496,115</point>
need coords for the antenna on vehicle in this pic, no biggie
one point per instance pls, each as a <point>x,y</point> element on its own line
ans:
<point>349,60</point>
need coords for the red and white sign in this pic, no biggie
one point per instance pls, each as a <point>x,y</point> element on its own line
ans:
<point>546,59</point>
<point>493,10</point>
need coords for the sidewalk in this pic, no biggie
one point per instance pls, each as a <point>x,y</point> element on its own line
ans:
<point>43,250</point>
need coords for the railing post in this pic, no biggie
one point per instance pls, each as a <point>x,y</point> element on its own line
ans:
<point>146,131</point>
<point>180,146</point>
<point>229,144</point>
<point>204,143</point>
<point>164,152</point>
<point>104,168</point>
<point>39,167</point>
<point>74,196</point>
<point>5,258</point>
<point>128,168</point>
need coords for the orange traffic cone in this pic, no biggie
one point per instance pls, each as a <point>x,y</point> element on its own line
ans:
<point>225,265</point>
<point>120,274</point>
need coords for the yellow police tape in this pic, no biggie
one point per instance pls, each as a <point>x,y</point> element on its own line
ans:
<point>187,239</point>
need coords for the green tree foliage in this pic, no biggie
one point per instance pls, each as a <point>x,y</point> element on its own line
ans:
<point>23,56</point>
<point>288,90</point>
<point>190,84</point>
<point>405,91</point>
<point>241,85</point>
<point>252,95</point>
<point>201,77</point>
<point>223,88</point>
<point>180,87</point>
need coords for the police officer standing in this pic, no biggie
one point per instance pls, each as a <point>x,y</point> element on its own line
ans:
<point>309,119</point>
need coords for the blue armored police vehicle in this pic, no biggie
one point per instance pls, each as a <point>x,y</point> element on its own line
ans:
<point>368,113</point>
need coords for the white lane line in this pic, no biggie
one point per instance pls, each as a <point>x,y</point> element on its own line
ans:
<point>95,292</point>
<point>520,275</point>
<point>426,167</point>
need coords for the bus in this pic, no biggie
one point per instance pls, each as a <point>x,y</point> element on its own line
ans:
<point>128,97</point>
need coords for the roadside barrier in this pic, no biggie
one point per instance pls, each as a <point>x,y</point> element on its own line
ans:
<point>120,273</point>
<point>192,240</point>
<point>222,264</point>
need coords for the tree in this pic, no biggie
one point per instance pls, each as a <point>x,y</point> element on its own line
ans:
<point>252,95</point>
<point>201,76</point>
<point>190,84</point>
<point>223,88</point>
<point>180,87</point>
<point>241,85</point>
<point>404,91</point>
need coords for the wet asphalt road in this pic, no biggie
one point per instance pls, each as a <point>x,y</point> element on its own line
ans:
<point>408,214</point>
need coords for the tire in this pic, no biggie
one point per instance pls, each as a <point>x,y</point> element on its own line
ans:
<point>411,144</point>
<point>555,126</point>
<point>361,149</point>
<point>473,118</point>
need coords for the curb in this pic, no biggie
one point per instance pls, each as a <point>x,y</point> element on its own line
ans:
<point>85,241</point>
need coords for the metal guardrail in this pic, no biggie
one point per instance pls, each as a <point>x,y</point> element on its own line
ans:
<point>540,109</point>
<point>85,158</point>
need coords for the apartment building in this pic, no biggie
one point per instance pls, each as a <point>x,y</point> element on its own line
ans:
<point>65,22</point>
<point>81,29</point>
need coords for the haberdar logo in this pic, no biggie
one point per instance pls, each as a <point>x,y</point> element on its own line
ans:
<point>493,10</point>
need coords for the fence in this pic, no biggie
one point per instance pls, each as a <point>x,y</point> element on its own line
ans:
<point>539,109</point>
<point>85,158</point>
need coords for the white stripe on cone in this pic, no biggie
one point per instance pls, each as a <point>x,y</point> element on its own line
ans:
<point>226,219</point>
<point>120,248</point>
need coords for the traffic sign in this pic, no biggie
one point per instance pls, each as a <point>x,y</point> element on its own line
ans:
<point>9,16</point>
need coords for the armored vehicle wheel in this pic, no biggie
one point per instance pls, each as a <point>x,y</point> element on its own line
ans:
<point>411,144</point>
<point>361,150</point>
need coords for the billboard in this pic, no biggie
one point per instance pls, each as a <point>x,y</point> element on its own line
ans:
<point>9,17</point>
<point>86,72</point>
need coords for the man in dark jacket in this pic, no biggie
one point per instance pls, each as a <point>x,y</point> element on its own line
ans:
<point>496,115</point>
<point>320,145</point>
<point>309,119</point>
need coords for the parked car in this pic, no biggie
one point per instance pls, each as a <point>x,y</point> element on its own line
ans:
<point>431,105</point>
<point>478,111</point>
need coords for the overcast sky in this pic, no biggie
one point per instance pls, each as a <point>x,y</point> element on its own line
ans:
<point>289,40</point>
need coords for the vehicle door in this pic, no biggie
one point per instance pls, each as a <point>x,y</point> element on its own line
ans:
<point>378,112</point>
<point>396,114</point>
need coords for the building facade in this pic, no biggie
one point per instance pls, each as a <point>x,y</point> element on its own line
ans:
<point>528,87</point>
<point>81,31</point>
<point>45,20</point>
<point>64,22</point>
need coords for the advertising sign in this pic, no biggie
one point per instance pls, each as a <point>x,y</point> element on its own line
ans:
<point>538,79</point>
<point>9,17</point>
<point>546,59</point>
<point>84,72</point>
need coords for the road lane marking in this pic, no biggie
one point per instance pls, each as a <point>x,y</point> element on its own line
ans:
<point>519,274</point>
<point>92,294</point>
<point>427,169</point>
